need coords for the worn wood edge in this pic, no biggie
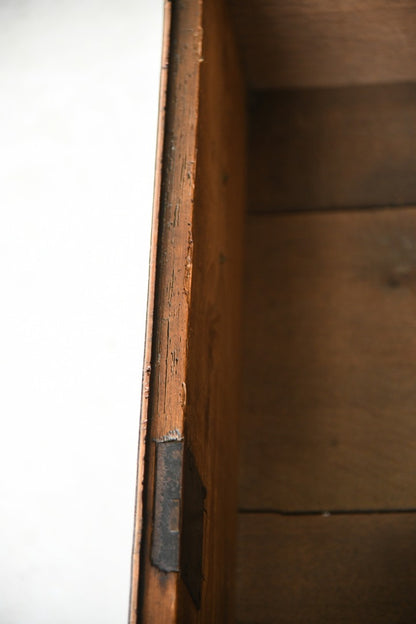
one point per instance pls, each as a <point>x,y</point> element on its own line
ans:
<point>164,388</point>
<point>137,535</point>
<point>213,405</point>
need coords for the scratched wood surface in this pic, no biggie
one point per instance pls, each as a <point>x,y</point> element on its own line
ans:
<point>138,516</point>
<point>330,361</point>
<point>337,569</point>
<point>214,339</point>
<point>196,332</point>
<point>333,148</point>
<point>299,43</point>
<point>158,591</point>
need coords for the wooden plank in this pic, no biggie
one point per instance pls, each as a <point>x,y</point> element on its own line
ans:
<point>194,398</point>
<point>298,43</point>
<point>340,569</point>
<point>214,339</point>
<point>158,590</point>
<point>144,407</point>
<point>330,361</point>
<point>333,148</point>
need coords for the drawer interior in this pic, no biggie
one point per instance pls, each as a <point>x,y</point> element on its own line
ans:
<point>327,485</point>
<point>281,357</point>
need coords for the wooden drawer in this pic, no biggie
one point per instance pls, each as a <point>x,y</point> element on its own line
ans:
<point>277,458</point>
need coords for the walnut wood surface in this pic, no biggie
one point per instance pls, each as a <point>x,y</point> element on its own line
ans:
<point>138,519</point>
<point>158,591</point>
<point>337,569</point>
<point>214,340</point>
<point>333,148</point>
<point>303,43</point>
<point>330,361</point>
<point>194,376</point>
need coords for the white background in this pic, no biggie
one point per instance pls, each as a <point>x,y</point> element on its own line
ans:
<point>79,86</point>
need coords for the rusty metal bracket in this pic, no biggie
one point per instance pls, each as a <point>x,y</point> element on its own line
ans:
<point>178,523</point>
<point>168,494</point>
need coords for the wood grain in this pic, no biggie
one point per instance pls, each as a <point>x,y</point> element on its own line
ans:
<point>144,407</point>
<point>333,148</point>
<point>330,361</point>
<point>298,43</point>
<point>338,569</point>
<point>213,405</point>
<point>158,591</point>
<point>194,376</point>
